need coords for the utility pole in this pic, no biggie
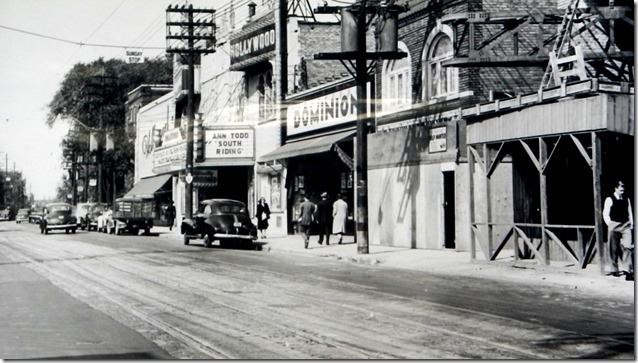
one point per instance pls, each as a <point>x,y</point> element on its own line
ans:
<point>353,46</point>
<point>199,28</point>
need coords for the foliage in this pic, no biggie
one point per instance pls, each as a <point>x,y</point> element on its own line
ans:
<point>93,96</point>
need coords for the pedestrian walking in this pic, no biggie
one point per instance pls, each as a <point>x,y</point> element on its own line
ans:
<point>323,218</point>
<point>306,217</point>
<point>339,215</point>
<point>170,215</point>
<point>619,219</point>
<point>263,215</point>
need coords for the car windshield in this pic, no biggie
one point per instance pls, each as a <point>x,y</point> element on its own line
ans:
<point>223,208</point>
<point>59,208</point>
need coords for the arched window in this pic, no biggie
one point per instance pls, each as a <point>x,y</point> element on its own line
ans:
<point>439,81</point>
<point>397,82</point>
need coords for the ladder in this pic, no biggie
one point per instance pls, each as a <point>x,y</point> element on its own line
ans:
<point>564,31</point>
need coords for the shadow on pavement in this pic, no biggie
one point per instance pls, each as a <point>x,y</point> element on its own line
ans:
<point>610,346</point>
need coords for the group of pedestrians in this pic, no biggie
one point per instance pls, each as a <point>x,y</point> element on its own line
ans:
<point>322,214</point>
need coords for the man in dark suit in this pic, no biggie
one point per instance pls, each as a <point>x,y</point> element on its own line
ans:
<point>306,216</point>
<point>324,214</point>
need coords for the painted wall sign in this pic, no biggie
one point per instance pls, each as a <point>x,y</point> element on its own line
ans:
<point>324,111</point>
<point>169,154</point>
<point>229,143</point>
<point>252,44</point>
<point>438,139</point>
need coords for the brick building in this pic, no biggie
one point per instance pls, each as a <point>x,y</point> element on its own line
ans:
<point>417,176</point>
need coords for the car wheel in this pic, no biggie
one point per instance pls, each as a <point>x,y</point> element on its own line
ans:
<point>135,231</point>
<point>187,240</point>
<point>147,231</point>
<point>73,230</point>
<point>208,241</point>
<point>83,228</point>
<point>223,243</point>
<point>66,231</point>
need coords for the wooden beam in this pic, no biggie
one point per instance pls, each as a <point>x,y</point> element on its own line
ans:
<point>529,244</point>
<point>562,244</point>
<point>531,155</point>
<point>502,244</point>
<point>581,149</point>
<point>598,210</point>
<point>488,204</point>
<point>549,158</point>
<point>470,171</point>
<point>476,156</point>
<point>542,152</point>
<point>590,249</point>
<point>497,159</point>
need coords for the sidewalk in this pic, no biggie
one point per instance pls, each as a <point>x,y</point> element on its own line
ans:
<point>449,262</point>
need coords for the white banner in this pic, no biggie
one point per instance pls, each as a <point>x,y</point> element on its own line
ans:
<point>167,155</point>
<point>324,111</point>
<point>229,143</point>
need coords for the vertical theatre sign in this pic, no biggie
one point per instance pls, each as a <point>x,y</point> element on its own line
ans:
<point>252,44</point>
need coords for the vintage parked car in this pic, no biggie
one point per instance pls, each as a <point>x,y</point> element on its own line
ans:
<point>225,220</point>
<point>95,210</point>
<point>81,210</point>
<point>130,214</point>
<point>58,216</point>
<point>23,215</point>
<point>35,217</point>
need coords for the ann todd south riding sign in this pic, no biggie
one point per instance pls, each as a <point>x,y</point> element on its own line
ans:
<point>324,111</point>
<point>229,143</point>
<point>255,43</point>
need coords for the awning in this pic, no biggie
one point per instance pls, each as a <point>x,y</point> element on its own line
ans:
<point>315,145</point>
<point>148,186</point>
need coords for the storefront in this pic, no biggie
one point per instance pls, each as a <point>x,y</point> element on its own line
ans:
<point>319,149</point>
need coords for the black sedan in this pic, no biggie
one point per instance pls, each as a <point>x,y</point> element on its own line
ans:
<point>224,220</point>
<point>58,216</point>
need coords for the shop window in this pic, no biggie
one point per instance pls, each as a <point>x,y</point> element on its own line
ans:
<point>439,81</point>
<point>266,96</point>
<point>397,82</point>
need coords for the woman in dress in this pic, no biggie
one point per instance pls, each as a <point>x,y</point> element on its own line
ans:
<point>263,214</point>
<point>339,215</point>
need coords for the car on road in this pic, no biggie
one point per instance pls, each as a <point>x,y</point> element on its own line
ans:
<point>35,217</point>
<point>23,215</point>
<point>224,220</point>
<point>5,215</point>
<point>132,214</point>
<point>58,216</point>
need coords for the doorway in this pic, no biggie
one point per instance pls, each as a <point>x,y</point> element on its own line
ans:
<point>449,217</point>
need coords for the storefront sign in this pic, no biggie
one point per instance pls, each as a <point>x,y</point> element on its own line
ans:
<point>169,154</point>
<point>252,44</point>
<point>328,110</point>
<point>229,143</point>
<point>438,139</point>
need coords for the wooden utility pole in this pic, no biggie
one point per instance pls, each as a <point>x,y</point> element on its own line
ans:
<point>360,73</point>
<point>199,28</point>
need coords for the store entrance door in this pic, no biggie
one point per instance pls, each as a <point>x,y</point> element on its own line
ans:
<point>448,209</point>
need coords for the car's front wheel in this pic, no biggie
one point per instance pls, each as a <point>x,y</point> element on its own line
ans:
<point>187,240</point>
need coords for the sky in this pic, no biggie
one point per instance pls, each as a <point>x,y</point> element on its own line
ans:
<point>32,67</point>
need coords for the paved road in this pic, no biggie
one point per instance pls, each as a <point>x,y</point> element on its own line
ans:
<point>223,303</point>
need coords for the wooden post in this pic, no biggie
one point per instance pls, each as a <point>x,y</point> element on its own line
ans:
<point>542,156</point>
<point>488,201</point>
<point>515,236</point>
<point>470,168</point>
<point>598,210</point>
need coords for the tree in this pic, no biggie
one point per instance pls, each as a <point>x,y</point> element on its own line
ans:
<point>94,95</point>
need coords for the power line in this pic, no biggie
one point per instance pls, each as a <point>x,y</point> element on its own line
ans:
<point>74,42</point>
<point>105,20</point>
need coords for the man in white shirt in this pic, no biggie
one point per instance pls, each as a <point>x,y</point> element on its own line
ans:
<point>619,219</point>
